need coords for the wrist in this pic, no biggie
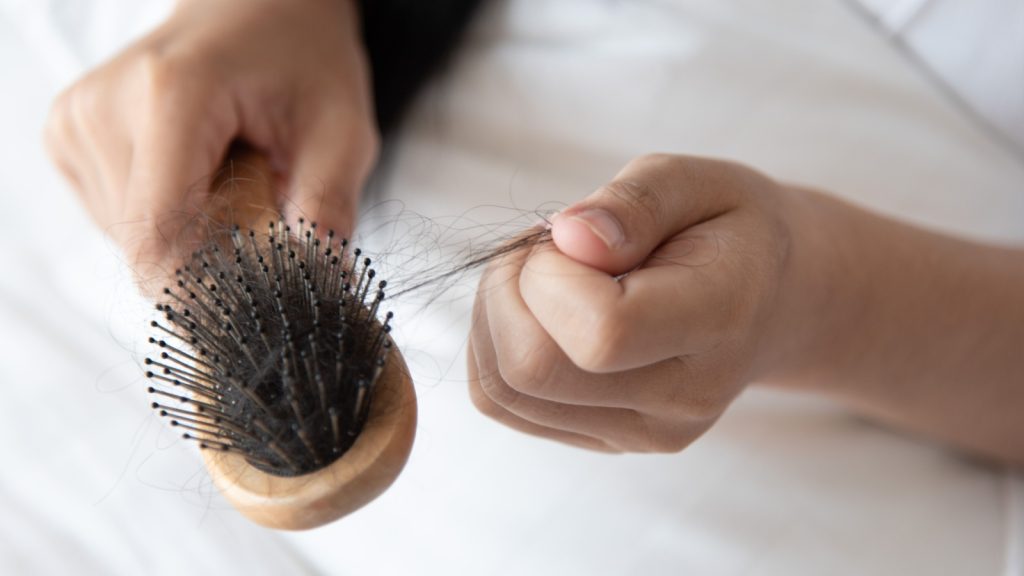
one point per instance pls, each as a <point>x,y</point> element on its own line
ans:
<point>815,312</point>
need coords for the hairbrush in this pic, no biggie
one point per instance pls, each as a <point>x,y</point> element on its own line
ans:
<point>273,355</point>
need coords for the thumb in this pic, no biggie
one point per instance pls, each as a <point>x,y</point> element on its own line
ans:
<point>331,161</point>
<point>653,198</point>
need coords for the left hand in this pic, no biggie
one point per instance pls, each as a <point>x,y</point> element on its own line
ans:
<point>141,137</point>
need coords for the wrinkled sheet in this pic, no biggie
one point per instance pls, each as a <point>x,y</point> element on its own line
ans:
<point>545,102</point>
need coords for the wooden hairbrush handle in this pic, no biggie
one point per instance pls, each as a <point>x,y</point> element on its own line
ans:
<point>243,194</point>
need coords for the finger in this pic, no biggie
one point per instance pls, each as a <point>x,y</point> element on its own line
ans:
<point>492,410</point>
<point>620,428</point>
<point>534,364</point>
<point>181,136</point>
<point>95,112</point>
<point>651,199</point>
<point>605,324</point>
<point>331,160</point>
<point>75,154</point>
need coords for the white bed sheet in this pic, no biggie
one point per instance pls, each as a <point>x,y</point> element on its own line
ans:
<point>546,101</point>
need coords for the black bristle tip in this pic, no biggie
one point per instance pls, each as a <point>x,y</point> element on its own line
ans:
<point>284,336</point>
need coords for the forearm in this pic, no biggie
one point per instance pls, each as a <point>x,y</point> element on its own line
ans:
<point>921,330</point>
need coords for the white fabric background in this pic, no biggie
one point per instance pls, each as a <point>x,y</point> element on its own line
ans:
<point>546,101</point>
<point>975,48</point>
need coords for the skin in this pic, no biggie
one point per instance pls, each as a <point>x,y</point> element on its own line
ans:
<point>139,136</point>
<point>733,279</point>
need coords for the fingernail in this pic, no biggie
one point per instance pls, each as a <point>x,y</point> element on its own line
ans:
<point>603,225</point>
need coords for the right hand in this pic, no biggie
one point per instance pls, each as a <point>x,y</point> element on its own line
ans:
<point>137,136</point>
<point>659,298</point>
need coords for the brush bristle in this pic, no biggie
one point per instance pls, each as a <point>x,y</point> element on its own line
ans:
<point>270,347</point>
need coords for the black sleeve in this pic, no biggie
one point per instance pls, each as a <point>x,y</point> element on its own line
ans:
<point>407,41</point>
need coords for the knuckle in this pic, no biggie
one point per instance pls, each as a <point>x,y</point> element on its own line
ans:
<point>670,442</point>
<point>483,403</point>
<point>167,79</point>
<point>701,405</point>
<point>489,409</point>
<point>638,198</point>
<point>598,349</point>
<point>58,120</point>
<point>528,369</point>
<point>497,390</point>
<point>651,436</point>
<point>664,437</point>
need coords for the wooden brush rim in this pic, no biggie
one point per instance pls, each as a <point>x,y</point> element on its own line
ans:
<point>368,468</point>
<point>242,194</point>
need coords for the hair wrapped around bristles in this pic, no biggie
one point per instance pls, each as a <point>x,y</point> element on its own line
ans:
<point>270,347</point>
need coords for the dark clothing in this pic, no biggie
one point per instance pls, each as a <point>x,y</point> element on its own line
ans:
<point>407,41</point>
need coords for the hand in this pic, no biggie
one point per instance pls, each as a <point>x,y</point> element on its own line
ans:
<point>656,303</point>
<point>138,136</point>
